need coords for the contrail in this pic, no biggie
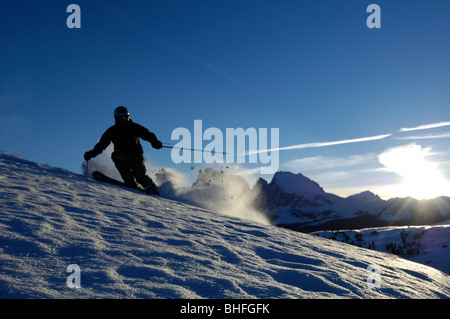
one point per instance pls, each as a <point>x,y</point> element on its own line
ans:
<point>322,144</point>
<point>423,137</point>
<point>359,140</point>
<point>424,127</point>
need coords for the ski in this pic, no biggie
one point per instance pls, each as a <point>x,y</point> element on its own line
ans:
<point>99,176</point>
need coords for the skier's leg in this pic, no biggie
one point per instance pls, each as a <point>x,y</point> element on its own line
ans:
<point>123,165</point>
<point>140,173</point>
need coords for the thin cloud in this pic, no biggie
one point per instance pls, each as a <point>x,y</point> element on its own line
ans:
<point>424,127</point>
<point>180,50</point>
<point>323,144</point>
<point>327,162</point>
<point>363,139</point>
<point>423,137</point>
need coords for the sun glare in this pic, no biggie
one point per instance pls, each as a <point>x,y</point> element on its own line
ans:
<point>421,177</point>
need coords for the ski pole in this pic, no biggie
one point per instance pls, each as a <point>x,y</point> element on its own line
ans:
<point>191,149</point>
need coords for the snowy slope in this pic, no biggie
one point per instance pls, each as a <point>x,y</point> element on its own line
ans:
<point>429,245</point>
<point>131,245</point>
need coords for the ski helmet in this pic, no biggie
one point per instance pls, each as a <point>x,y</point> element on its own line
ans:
<point>121,111</point>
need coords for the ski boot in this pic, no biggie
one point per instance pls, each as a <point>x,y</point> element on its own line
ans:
<point>152,189</point>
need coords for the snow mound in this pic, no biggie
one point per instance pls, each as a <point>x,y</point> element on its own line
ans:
<point>131,245</point>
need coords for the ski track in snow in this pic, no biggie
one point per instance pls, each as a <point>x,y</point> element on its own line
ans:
<point>131,245</point>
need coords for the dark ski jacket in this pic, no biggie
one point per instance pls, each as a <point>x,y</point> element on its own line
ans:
<point>126,139</point>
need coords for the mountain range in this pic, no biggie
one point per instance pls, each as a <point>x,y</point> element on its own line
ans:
<point>294,201</point>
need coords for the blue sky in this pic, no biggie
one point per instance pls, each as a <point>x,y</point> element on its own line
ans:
<point>313,69</point>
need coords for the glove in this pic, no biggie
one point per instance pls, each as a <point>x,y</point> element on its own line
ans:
<point>157,144</point>
<point>88,155</point>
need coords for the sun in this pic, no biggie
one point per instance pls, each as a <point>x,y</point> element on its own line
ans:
<point>425,183</point>
<point>421,177</point>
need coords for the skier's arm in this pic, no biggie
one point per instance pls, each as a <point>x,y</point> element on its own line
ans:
<point>148,136</point>
<point>105,140</point>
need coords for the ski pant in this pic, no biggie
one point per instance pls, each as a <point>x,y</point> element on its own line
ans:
<point>132,167</point>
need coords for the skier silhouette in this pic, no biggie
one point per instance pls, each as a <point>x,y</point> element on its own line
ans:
<point>128,153</point>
